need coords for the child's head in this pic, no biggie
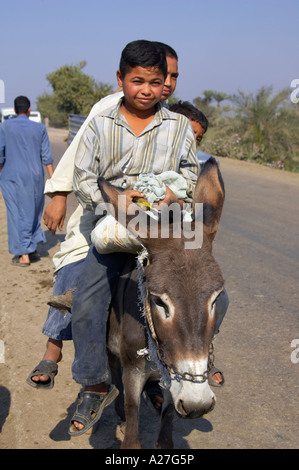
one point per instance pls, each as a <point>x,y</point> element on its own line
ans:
<point>142,72</point>
<point>169,51</point>
<point>172,70</point>
<point>197,119</point>
<point>145,54</point>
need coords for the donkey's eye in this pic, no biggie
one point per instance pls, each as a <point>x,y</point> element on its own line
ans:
<point>162,304</point>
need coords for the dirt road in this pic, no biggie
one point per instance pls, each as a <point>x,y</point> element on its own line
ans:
<point>257,248</point>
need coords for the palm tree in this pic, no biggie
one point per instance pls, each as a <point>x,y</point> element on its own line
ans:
<point>203,103</point>
<point>218,97</point>
<point>264,121</point>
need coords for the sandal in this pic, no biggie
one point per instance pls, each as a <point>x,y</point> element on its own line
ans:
<point>150,389</point>
<point>212,372</point>
<point>90,407</point>
<point>45,367</point>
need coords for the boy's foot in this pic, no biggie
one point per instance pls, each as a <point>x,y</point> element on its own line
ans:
<point>216,378</point>
<point>45,368</point>
<point>90,405</point>
<point>53,353</point>
<point>153,396</point>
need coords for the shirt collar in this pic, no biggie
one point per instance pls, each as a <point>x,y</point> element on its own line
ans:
<point>162,113</point>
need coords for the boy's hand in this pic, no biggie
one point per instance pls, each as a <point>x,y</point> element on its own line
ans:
<point>170,198</point>
<point>132,194</point>
<point>55,212</point>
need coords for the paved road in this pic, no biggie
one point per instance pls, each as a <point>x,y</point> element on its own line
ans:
<point>257,248</point>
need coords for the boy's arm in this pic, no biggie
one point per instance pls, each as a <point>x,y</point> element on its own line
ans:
<point>87,170</point>
<point>55,212</point>
<point>171,198</point>
<point>189,168</point>
<point>62,180</point>
<point>58,187</point>
<point>61,183</point>
<point>189,165</point>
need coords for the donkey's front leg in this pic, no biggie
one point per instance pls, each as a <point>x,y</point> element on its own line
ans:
<point>164,440</point>
<point>133,384</point>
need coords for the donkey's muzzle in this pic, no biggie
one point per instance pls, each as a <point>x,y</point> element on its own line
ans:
<point>191,410</point>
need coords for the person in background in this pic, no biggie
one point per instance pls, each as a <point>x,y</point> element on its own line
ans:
<point>24,149</point>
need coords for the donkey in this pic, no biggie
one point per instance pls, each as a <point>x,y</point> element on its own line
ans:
<point>170,339</point>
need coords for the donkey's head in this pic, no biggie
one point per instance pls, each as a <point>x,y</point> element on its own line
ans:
<point>183,282</point>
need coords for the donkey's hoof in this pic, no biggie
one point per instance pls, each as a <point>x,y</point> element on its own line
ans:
<point>131,445</point>
<point>164,445</point>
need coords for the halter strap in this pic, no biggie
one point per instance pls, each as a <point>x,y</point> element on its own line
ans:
<point>199,378</point>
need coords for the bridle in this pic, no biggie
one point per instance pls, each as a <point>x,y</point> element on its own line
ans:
<point>143,261</point>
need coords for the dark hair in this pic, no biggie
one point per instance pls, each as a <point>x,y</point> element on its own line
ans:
<point>169,51</point>
<point>142,53</point>
<point>21,104</point>
<point>191,112</point>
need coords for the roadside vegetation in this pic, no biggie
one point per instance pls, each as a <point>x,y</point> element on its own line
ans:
<point>74,92</point>
<point>261,127</point>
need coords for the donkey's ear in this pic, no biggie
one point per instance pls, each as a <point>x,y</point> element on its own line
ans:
<point>210,192</point>
<point>123,209</point>
<point>110,193</point>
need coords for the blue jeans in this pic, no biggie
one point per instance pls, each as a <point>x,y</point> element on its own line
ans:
<point>90,310</point>
<point>222,303</point>
<point>58,326</point>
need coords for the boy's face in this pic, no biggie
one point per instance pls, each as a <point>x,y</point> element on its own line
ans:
<point>198,131</point>
<point>142,87</point>
<point>171,79</point>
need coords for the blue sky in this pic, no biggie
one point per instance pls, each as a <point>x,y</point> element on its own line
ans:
<point>224,45</point>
